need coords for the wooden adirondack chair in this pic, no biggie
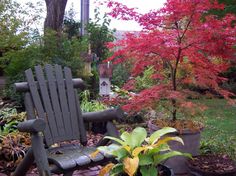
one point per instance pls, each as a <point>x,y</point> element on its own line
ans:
<point>54,116</point>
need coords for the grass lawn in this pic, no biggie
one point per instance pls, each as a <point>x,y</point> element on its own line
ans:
<point>219,134</point>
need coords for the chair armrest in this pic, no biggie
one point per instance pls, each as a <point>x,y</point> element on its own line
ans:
<point>32,126</point>
<point>103,116</point>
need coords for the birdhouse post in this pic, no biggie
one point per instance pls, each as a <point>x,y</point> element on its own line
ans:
<point>105,74</point>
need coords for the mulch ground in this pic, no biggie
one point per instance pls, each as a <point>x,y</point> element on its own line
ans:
<point>213,165</point>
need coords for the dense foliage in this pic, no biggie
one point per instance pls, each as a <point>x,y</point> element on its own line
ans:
<point>99,35</point>
<point>184,46</point>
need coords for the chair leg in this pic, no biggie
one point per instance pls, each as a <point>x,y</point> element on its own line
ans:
<point>40,155</point>
<point>70,173</point>
<point>25,164</point>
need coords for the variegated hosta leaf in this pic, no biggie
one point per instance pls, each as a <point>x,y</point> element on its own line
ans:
<point>137,150</point>
<point>131,165</point>
<point>158,134</point>
<point>116,170</point>
<point>167,139</point>
<point>115,139</point>
<point>120,153</point>
<point>126,137</point>
<point>147,139</point>
<point>127,148</point>
<point>162,157</point>
<point>109,149</point>
<point>160,148</point>
<point>106,169</point>
<point>135,138</point>
<point>149,171</point>
<point>145,159</point>
<point>138,136</point>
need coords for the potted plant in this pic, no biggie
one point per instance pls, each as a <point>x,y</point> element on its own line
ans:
<point>136,154</point>
<point>188,50</point>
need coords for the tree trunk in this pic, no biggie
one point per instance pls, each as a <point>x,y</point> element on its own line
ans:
<point>55,14</point>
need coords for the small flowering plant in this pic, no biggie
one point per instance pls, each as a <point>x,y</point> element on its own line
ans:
<point>138,154</point>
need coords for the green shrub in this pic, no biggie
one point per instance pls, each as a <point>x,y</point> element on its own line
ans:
<point>120,74</point>
<point>145,81</point>
<point>88,105</point>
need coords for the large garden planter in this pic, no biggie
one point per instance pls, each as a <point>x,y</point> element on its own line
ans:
<point>166,170</point>
<point>191,145</point>
<point>211,165</point>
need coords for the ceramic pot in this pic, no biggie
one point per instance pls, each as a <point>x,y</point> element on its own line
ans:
<point>191,145</point>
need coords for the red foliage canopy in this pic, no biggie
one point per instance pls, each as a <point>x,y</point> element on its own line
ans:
<point>185,45</point>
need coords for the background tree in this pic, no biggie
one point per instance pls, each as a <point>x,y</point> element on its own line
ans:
<point>55,14</point>
<point>229,8</point>
<point>184,50</point>
<point>70,26</point>
<point>99,35</point>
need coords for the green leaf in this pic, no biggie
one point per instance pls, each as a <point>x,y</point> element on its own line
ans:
<point>156,135</point>
<point>145,160</point>
<point>120,153</point>
<point>117,169</point>
<point>126,137</point>
<point>161,148</point>
<point>148,171</point>
<point>115,139</point>
<point>109,149</point>
<point>135,138</point>
<point>160,158</point>
<point>138,136</point>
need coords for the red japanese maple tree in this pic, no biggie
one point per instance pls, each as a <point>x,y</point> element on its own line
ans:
<point>184,44</point>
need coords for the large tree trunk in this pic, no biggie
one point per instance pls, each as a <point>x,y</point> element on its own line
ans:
<point>55,14</point>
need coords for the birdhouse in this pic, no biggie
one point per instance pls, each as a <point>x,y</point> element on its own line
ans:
<point>88,59</point>
<point>105,73</point>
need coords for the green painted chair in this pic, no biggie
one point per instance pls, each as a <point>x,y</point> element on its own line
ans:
<point>54,116</point>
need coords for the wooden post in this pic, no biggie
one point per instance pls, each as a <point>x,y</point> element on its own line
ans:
<point>84,15</point>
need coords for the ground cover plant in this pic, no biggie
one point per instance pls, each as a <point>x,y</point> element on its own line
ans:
<point>186,48</point>
<point>13,144</point>
<point>219,135</point>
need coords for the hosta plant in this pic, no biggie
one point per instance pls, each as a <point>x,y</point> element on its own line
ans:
<point>138,154</point>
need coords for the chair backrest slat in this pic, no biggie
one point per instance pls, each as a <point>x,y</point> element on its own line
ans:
<point>55,101</point>
<point>46,102</point>
<point>37,104</point>
<point>83,137</point>
<point>63,101</point>
<point>71,102</point>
